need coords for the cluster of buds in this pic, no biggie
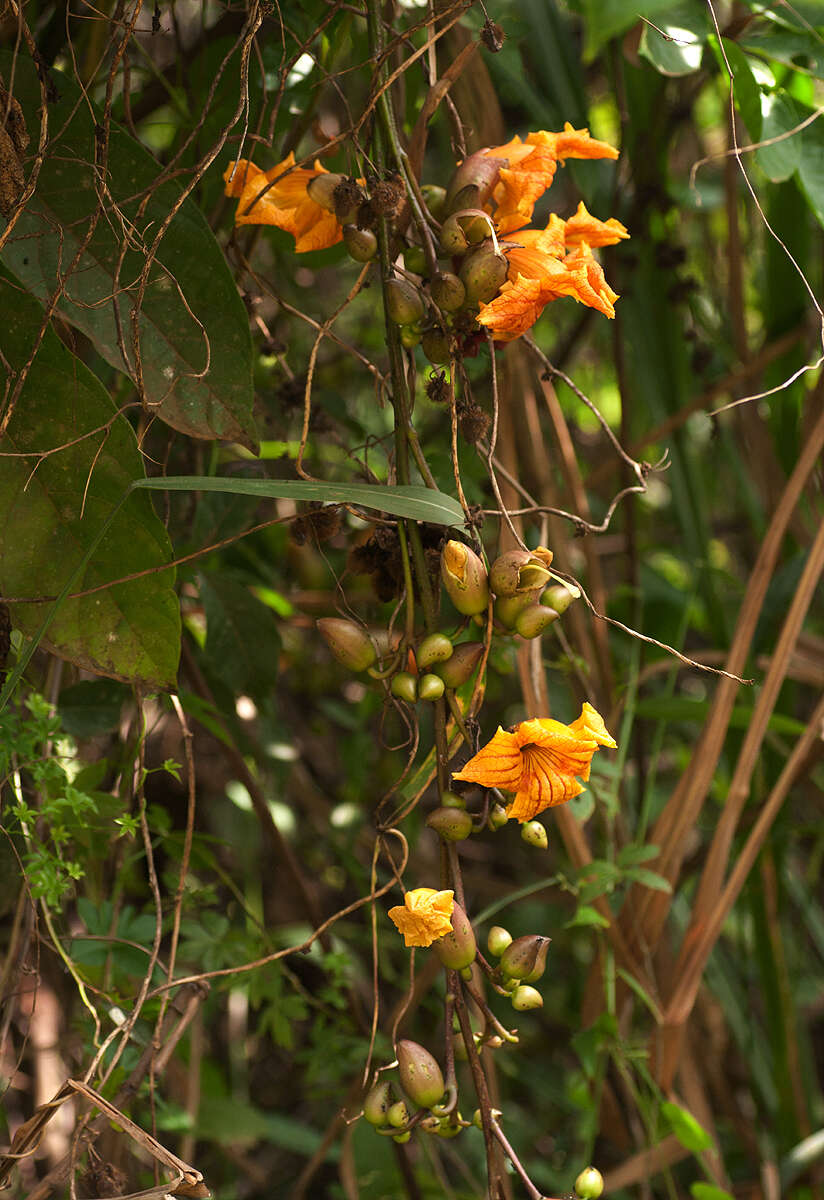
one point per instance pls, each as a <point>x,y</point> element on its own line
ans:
<point>521,964</point>
<point>423,1084</point>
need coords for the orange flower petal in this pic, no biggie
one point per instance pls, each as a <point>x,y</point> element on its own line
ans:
<point>576,143</point>
<point>264,198</point>
<point>583,227</point>
<point>515,309</point>
<point>498,764</point>
<point>424,916</point>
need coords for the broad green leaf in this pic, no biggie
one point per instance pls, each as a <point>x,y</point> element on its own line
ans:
<point>685,1127</point>
<point>649,879</point>
<point>195,346</point>
<point>605,19</point>
<point>746,92</point>
<point>676,45</point>
<point>631,855</point>
<point>811,167</point>
<point>586,915</point>
<point>802,50</point>
<point>52,510</point>
<point>242,639</point>
<point>417,503</point>
<point>780,114</point>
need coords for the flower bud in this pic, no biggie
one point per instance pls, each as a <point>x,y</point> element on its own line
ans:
<point>560,596</point>
<point>376,1105</point>
<point>410,336</point>
<point>414,259</point>
<point>459,1048</point>
<point>447,291</point>
<point>321,189</point>
<point>525,958</point>
<point>421,1077</point>
<point>452,800</point>
<point>507,609</point>
<point>524,998</point>
<point>452,824</point>
<point>435,198</point>
<point>495,1113</point>
<point>534,834</point>
<point>435,345</point>
<point>494,1042</point>
<point>397,1114</point>
<point>361,244</point>
<point>404,686</point>
<point>520,571</point>
<point>400,1138</point>
<point>483,273</point>
<point>498,939</point>
<point>533,620</point>
<point>473,181</point>
<point>457,949</point>
<point>348,642</point>
<point>465,579</point>
<point>434,649</point>
<point>498,817</point>
<point>430,687</point>
<point>453,240</point>
<point>589,1184</point>
<point>403,302</point>
<point>448,1129</point>
<point>430,1124</point>
<point>462,665</point>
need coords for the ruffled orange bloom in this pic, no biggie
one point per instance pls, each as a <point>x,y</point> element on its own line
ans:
<point>528,168</point>
<point>539,761</point>
<point>424,916</point>
<point>583,227</point>
<point>286,203</point>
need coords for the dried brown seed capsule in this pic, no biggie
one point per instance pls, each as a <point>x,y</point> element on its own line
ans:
<point>348,642</point>
<point>421,1077</point>
<point>458,948</point>
<point>322,188</point>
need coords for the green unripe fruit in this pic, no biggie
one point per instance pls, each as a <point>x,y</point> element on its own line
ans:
<point>410,336</point>
<point>525,998</point>
<point>498,939</point>
<point>398,1114</point>
<point>404,686</point>
<point>414,260</point>
<point>421,1077</point>
<point>534,834</point>
<point>447,291</point>
<point>534,619</point>
<point>361,244</point>
<point>435,198</point>
<point>462,665</point>
<point>348,642</point>
<point>483,273</point>
<point>435,346</point>
<point>589,1184</point>
<point>452,824</point>
<point>507,609</point>
<point>452,800</point>
<point>497,817</point>
<point>465,579</point>
<point>434,649</point>
<point>403,302</point>
<point>376,1105</point>
<point>525,958</point>
<point>400,1138</point>
<point>430,687</point>
<point>321,189</point>
<point>560,596</point>
<point>457,949</point>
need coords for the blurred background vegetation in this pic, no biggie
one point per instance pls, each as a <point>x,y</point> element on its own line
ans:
<point>680,1047</point>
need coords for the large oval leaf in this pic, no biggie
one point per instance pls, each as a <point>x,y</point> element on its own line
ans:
<point>195,346</point>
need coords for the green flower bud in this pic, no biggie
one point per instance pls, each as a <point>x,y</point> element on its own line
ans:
<point>452,800</point>
<point>519,571</point>
<point>430,687</point>
<point>403,302</point>
<point>495,1113</point>
<point>483,273</point>
<point>462,665</point>
<point>452,824</point>
<point>361,244</point>
<point>525,998</point>
<point>465,579</point>
<point>448,1129</point>
<point>421,1077</point>
<point>534,834</point>
<point>414,259</point>
<point>398,1114</point>
<point>434,649</point>
<point>404,686</point>
<point>376,1105</point>
<point>497,817</point>
<point>447,291</point>
<point>400,1138</point>
<point>473,181</point>
<point>498,939</point>
<point>589,1184</point>
<point>435,198</point>
<point>459,1048</point>
<point>410,336</point>
<point>533,620</point>
<point>435,346</point>
<point>348,642</point>
<point>525,958</point>
<point>457,949</point>
<point>507,609</point>
<point>560,596</point>
<point>321,189</point>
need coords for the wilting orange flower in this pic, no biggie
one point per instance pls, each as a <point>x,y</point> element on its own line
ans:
<point>286,204</point>
<point>539,761</point>
<point>528,168</point>
<point>424,916</point>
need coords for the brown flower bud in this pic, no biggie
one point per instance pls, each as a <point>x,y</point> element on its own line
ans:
<point>447,291</point>
<point>473,182</point>
<point>376,1105</point>
<point>361,244</point>
<point>534,619</point>
<point>520,571</point>
<point>421,1077</point>
<point>462,665</point>
<point>525,997</point>
<point>434,648</point>
<point>464,577</point>
<point>457,949</point>
<point>525,958</point>
<point>403,302</point>
<point>483,273</point>
<point>348,642</point>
